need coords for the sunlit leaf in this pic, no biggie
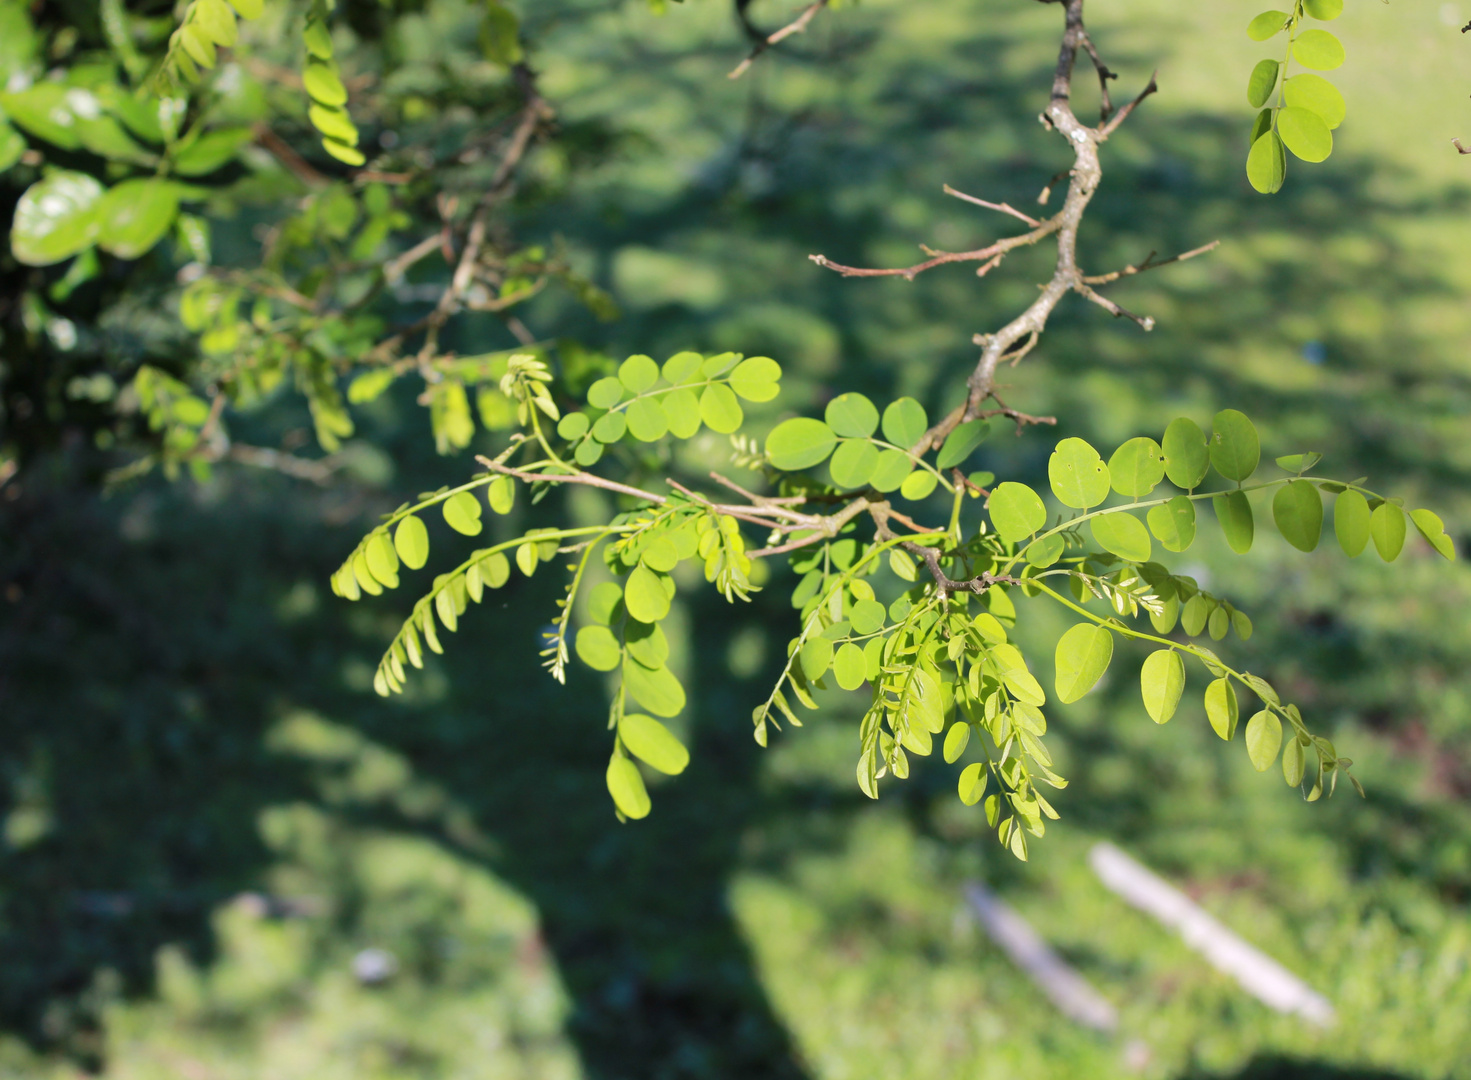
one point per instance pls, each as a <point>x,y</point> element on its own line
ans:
<point>1161,682</point>
<point>1083,655</point>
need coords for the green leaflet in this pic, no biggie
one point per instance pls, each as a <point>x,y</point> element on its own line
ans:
<point>655,689</point>
<point>961,443</point>
<point>1317,95</point>
<point>1173,523</point>
<point>1266,162</point>
<point>1187,456</point>
<point>462,513</point>
<point>1083,655</point>
<point>1262,82</point>
<point>854,462</point>
<point>850,666</point>
<point>1294,763</point>
<point>602,602</point>
<point>1298,510</point>
<point>918,485</point>
<point>646,643</point>
<point>956,740</point>
<point>1235,448</point>
<point>799,443</point>
<point>867,616</point>
<point>990,628</point>
<point>1078,475</point>
<point>1351,522</point>
<point>1433,529</point>
<point>682,407</point>
<point>1325,10</point>
<point>382,561</point>
<point>1161,682</point>
<point>647,421</point>
<point>720,409</point>
<point>653,743</point>
<point>1266,25</point>
<point>501,494</point>
<point>815,657</point>
<point>756,379</point>
<point>322,82</point>
<point>1234,513</point>
<point>1137,467</point>
<point>1024,687</point>
<point>1387,528</point>
<point>638,373</point>
<point>598,648</point>
<point>1319,50</point>
<point>972,783</point>
<point>411,541</point>
<point>852,416</point>
<point>627,788</point>
<point>1016,511</point>
<point>1263,739</point>
<point>1044,553</point>
<point>1221,708</point>
<point>905,423</point>
<point>56,218</point>
<point>1305,133</point>
<point>1123,534</point>
<point>605,393</point>
<point>645,595</point>
<point>891,470</point>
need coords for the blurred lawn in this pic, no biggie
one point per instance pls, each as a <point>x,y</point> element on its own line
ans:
<point>212,816</point>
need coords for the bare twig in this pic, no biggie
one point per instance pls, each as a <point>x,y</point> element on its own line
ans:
<point>317,472</point>
<point>1002,207</point>
<point>991,256</point>
<point>295,164</point>
<point>1150,264</point>
<point>796,26</point>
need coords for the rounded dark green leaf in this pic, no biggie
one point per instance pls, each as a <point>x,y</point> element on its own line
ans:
<point>1016,511</point>
<point>854,462</point>
<point>1433,529</point>
<point>1078,475</point>
<point>1319,50</point>
<point>1263,739</point>
<point>598,648</point>
<point>1234,514</point>
<point>653,743</point>
<point>1318,95</point>
<point>1083,655</point>
<point>1161,682</point>
<point>720,409</point>
<point>1173,523</point>
<point>892,469</point>
<point>411,541</point>
<point>656,689</point>
<point>1387,527</point>
<point>1124,535</point>
<point>627,788</point>
<point>1137,467</point>
<point>638,373</point>
<point>1266,164</point>
<point>850,667</point>
<point>462,513</point>
<point>1187,456</point>
<point>756,379</point>
<point>135,215</point>
<point>647,420</point>
<point>961,443</point>
<point>56,218</point>
<point>1235,447</point>
<point>1267,24</point>
<point>1304,133</point>
<point>1351,522</point>
<point>1262,82</point>
<point>799,443</point>
<point>1298,510</point>
<point>852,416</point>
<point>1221,708</point>
<point>905,423</point>
<point>645,596</point>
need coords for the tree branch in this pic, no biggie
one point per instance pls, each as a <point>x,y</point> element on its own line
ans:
<point>796,26</point>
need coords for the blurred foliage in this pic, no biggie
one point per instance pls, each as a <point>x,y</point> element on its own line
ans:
<point>210,817</point>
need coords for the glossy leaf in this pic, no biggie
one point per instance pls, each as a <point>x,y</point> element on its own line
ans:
<point>852,416</point>
<point>135,215</point>
<point>1262,82</point>
<point>905,422</point>
<point>1187,455</point>
<point>1078,475</point>
<point>756,379</point>
<point>1137,467</point>
<point>1433,529</point>
<point>1266,25</point>
<point>1298,510</point>
<point>962,442</point>
<point>462,513</point>
<point>1173,523</point>
<point>1351,522</point>
<point>1016,511</point>
<point>1221,708</point>
<point>1083,655</point>
<point>1124,535</point>
<point>1234,513</point>
<point>627,788</point>
<point>1266,163</point>
<point>411,541</point>
<point>1304,133</point>
<point>1319,50</point>
<point>1263,739</point>
<point>56,218</point>
<point>1234,446</point>
<point>598,648</point>
<point>1161,682</point>
<point>799,443</point>
<point>653,744</point>
<point>645,596</point>
<point>1317,95</point>
<point>720,409</point>
<point>1387,528</point>
<point>854,462</point>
